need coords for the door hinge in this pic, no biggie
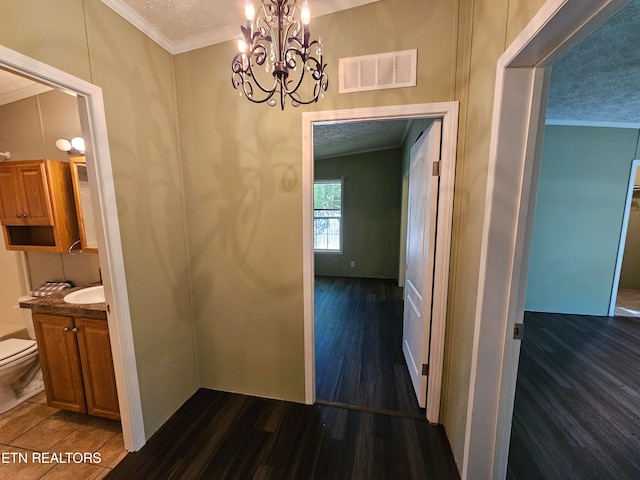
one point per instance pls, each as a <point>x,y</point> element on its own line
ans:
<point>518,331</point>
<point>436,168</point>
<point>425,369</point>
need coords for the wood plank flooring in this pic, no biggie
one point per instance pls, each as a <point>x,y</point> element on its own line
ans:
<point>358,340</point>
<point>217,435</point>
<point>577,405</point>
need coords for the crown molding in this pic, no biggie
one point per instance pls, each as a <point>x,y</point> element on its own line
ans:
<point>214,37</point>
<point>138,21</point>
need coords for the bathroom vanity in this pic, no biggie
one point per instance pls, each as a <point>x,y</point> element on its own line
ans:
<point>75,355</point>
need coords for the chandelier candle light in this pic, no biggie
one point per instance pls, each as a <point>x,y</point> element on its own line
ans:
<point>275,54</point>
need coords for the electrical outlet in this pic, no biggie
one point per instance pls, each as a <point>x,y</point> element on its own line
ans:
<point>353,263</point>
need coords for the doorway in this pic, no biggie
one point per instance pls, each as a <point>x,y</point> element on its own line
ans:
<point>93,124</point>
<point>625,298</point>
<point>358,305</point>
<point>519,110</point>
<point>448,112</point>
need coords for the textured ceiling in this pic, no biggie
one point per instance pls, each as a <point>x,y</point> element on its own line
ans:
<point>334,139</point>
<point>14,87</point>
<point>182,25</point>
<point>177,20</point>
<point>598,81</point>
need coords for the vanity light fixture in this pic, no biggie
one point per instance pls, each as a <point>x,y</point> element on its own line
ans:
<point>73,147</point>
<point>276,54</point>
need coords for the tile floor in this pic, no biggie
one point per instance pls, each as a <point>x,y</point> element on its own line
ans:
<point>33,434</point>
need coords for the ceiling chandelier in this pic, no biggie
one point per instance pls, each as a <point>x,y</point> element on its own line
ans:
<point>275,55</point>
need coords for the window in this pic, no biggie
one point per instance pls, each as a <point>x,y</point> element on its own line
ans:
<point>327,216</point>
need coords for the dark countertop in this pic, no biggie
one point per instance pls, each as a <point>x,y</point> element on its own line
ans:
<point>55,305</point>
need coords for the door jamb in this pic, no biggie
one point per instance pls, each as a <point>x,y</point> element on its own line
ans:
<point>94,128</point>
<point>402,258</point>
<point>448,111</point>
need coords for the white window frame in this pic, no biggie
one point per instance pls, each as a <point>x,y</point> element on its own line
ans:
<point>331,181</point>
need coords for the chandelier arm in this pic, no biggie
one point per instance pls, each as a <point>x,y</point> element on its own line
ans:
<point>318,89</point>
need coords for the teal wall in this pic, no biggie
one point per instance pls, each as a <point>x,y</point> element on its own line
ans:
<point>580,206</point>
<point>371,214</point>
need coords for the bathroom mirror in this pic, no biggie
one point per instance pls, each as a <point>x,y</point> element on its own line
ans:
<point>86,222</point>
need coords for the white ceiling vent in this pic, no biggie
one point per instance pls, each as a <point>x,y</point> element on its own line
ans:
<point>375,72</point>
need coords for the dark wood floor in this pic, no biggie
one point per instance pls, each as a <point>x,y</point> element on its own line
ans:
<point>577,405</point>
<point>358,340</point>
<point>217,435</point>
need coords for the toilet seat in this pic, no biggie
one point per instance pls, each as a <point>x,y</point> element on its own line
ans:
<point>14,349</point>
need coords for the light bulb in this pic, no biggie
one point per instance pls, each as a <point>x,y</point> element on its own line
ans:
<point>249,11</point>
<point>242,45</point>
<point>63,144</point>
<point>305,14</point>
<point>78,143</point>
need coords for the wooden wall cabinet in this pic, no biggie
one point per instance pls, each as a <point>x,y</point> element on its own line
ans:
<point>37,208</point>
<point>77,364</point>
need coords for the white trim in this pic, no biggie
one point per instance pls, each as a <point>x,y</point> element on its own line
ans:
<point>92,113</point>
<point>214,37</point>
<point>448,111</point>
<point>516,140</point>
<point>623,237</point>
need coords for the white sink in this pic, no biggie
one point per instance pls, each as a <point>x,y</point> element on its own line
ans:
<point>86,295</point>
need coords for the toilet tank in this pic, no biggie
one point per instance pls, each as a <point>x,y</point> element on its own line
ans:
<point>27,320</point>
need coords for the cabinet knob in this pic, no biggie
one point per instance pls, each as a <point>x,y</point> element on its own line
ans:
<point>65,329</point>
<point>74,329</point>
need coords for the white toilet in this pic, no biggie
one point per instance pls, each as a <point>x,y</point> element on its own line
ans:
<point>20,374</point>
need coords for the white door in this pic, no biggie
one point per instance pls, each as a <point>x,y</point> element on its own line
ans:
<point>421,235</point>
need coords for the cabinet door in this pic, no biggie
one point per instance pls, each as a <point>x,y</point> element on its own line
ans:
<point>97,367</point>
<point>58,350</point>
<point>11,209</point>
<point>35,190</point>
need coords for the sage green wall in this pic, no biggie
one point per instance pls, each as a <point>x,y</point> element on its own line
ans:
<point>584,176</point>
<point>242,165</point>
<point>414,131</point>
<point>370,214</point>
<point>87,39</point>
